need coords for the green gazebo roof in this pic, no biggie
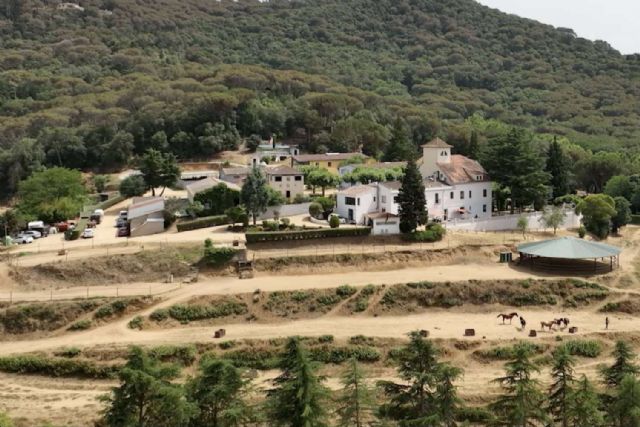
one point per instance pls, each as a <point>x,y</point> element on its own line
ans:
<point>569,248</point>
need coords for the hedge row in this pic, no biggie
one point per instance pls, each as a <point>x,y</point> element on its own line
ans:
<point>205,222</point>
<point>635,219</point>
<point>273,236</point>
<point>110,202</point>
<point>54,367</point>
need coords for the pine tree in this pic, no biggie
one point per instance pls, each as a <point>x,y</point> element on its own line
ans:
<point>583,409</point>
<point>400,147</point>
<point>624,411</point>
<point>623,365</point>
<point>446,396</point>
<point>411,199</point>
<point>560,391</point>
<point>522,404</point>
<point>298,398</point>
<point>218,392</point>
<point>558,168</point>
<point>159,170</point>
<point>357,399</point>
<point>145,397</point>
<point>254,194</point>
<point>417,401</point>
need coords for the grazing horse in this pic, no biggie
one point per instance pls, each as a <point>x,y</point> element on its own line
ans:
<point>509,316</point>
<point>523,323</point>
<point>562,322</point>
<point>547,325</point>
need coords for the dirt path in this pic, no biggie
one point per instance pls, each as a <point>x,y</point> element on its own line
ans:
<point>233,285</point>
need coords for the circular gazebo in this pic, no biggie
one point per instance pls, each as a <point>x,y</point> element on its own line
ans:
<point>569,255</point>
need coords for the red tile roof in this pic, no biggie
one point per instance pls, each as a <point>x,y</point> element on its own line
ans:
<point>463,170</point>
<point>437,143</point>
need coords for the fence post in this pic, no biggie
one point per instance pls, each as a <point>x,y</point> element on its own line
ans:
<point>87,292</point>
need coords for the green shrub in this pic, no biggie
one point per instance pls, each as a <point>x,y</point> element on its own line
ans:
<point>433,233</point>
<point>635,219</point>
<point>205,222</point>
<point>368,290</point>
<point>159,315</point>
<point>53,367</point>
<point>345,291</point>
<point>584,348</point>
<point>136,323</point>
<point>325,339</point>
<point>218,256</point>
<point>334,221</point>
<point>582,231</point>
<point>110,202</point>
<point>337,355</point>
<point>133,186</point>
<point>506,353</point>
<point>184,355</point>
<point>328,299</point>
<point>322,233</point>
<point>184,312</point>
<point>80,325</point>
<point>315,210</point>
<point>361,305</point>
<point>326,203</point>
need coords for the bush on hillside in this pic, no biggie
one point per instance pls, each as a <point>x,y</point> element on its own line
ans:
<point>218,256</point>
<point>133,186</point>
<point>433,233</point>
<point>334,221</point>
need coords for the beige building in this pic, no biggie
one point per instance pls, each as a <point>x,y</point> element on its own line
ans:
<point>288,181</point>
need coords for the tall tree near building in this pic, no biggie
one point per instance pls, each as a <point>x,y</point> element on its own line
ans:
<point>400,147</point>
<point>597,211</point>
<point>558,168</point>
<point>522,404</point>
<point>322,178</point>
<point>355,404</point>
<point>254,194</point>
<point>160,170</point>
<point>622,216</point>
<point>561,389</point>
<point>411,199</point>
<point>298,399</point>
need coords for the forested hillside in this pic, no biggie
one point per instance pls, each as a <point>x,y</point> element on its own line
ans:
<point>91,88</point>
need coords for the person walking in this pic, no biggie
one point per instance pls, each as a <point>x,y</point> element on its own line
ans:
<point>606,322</point>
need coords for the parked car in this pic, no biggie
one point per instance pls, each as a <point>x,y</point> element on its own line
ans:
<point>99,212</point>
<point>23,239</point>
<point>88,233</point>
<point>123,232</point>
<point>62,226</point>
<point>124,214</point>
<point>33,233</point>
<point>97,219</point>
<point>121,222</point>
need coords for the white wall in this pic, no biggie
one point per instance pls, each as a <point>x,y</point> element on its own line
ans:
<point>286,210</point>
<point>510,222</point>
<point>478,204</point>
<point>386,203</point>
<point>386,227</point>
<point>366,202</point>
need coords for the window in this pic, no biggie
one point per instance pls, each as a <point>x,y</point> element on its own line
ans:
<point>462,195</point>
<point>383,199</point>
<point>451,195</point>
<point>298,178</point>
<point>277,178</point>
<point>374,198</point>
<point>329,164</point>
<point>484,193</point>
<point>484,208</point>
<point>469,193</point>
<point>437,198</point>
<point>358,201</point>
<point>395,199</point>
<point>350,201</point>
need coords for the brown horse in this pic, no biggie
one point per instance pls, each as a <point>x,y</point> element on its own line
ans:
<point>509,317</point>
<point>547,325</point>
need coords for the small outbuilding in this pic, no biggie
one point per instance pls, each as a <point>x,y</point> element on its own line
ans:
<point>570,255</point>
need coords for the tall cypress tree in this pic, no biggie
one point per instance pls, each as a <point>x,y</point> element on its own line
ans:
<point>558,168</point>
<point>622,366</point>
<point>357,399</point>
<point>400,147</point>
<point>562,386</point>
<point>474,145</point>
<point>298,398</point>
<point>411,199</point>
<point>522,404</point>
<point>254,194</point>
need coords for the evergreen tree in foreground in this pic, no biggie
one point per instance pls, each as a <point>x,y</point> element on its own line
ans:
<point>560,391</point>
<point>356,402</point>
<point>145,397</point>
<point>218,392</point>
<point>623,365</point>
<point>584,406</point>
<point>411,199</point>
<point>522,404</point>
<point>624,410</point>
<point>254,194</point>
<point>298,398</point>
<point>558,168</point>
<point>426,391</point>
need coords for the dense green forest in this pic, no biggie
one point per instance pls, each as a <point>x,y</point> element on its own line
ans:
<point>92,88</point>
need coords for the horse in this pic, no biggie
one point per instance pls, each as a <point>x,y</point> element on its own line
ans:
<point>562,322</point>
<point>547,325</point>
<point>509,316</point>
<point>523,323</point>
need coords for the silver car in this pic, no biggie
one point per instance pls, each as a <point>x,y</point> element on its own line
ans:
<point>33,233</point>
<point>23,239</point>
